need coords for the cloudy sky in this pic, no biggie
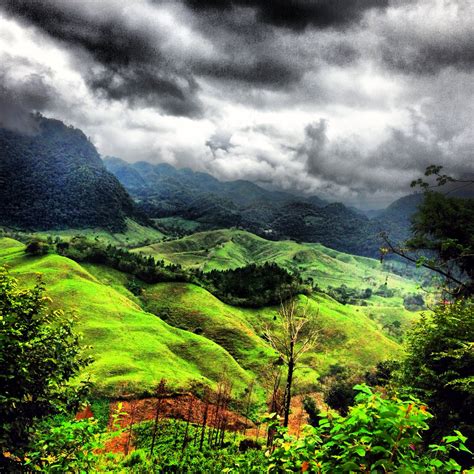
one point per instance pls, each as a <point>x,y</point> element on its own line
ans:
<point>346,99</point>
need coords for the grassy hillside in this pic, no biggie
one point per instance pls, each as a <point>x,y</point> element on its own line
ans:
<point>230,248</point>
<point>132,349</point>
<point>348,336</point>
<point>183,333</point>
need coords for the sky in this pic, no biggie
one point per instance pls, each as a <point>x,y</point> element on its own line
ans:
<point>346,99</point>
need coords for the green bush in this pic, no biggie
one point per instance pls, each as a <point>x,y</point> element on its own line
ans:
<point>378,435</point>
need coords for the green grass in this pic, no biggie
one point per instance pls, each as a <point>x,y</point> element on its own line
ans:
<point>348,335</point>
<point>183,333</point>
<point>229,248</point>
<point>132,349</point>
<point>136,234</point>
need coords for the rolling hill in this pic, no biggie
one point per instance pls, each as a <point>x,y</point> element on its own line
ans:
<point>231,248</point>
<point>181,332</point>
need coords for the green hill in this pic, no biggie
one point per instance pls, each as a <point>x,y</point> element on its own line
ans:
<point>183,333</point>
<point>230,248</point>
<point>132,349</point>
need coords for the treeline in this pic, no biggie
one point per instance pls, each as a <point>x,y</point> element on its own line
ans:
<point>251,286</point>
<point>254,285</point>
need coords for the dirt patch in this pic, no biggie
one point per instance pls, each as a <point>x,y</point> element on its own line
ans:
<point>85,413</point>
<point>181,407</point>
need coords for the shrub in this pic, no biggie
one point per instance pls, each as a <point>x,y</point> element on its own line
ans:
<point>377,435</point>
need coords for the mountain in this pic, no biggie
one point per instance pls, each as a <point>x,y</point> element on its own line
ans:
<point>165,186</point>
<point>55,179</point>
<point>163,191</point>
<point>395,220</point>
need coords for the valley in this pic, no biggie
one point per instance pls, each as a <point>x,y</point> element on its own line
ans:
<point>198,306</point>
<point>182,333</point>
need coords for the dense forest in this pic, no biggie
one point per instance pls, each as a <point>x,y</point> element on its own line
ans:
<point>54,178</point>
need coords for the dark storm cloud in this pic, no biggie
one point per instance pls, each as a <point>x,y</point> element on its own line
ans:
<point>298,14</point>
<point>19,98</point>
<point>266,72</point>
<point>133,67</point>
<point>390,167</point>
<point>430,56</point>
<point>424,37</point>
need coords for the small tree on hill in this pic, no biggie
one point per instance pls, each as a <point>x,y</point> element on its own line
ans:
<point>294,334</point>
<point>39,357</point>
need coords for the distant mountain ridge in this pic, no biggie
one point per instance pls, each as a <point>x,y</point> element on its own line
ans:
<point>164,191</point>
<point>55,179</point>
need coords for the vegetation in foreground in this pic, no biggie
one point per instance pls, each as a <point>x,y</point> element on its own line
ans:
<point>382,432</point>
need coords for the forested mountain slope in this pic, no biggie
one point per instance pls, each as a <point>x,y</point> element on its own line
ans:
<point>54,179</point>
<point>170,195</point>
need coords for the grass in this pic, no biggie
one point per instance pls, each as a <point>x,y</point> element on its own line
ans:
<point>132,349</point>
<point>230,248</point>
<point>136,234</point>
<point>348,335</point>
<point>184,334</point>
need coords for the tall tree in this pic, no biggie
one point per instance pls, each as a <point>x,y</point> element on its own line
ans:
<point>294,333</point>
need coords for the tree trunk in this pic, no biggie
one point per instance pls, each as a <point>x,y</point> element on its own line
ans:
<point>289,381</point>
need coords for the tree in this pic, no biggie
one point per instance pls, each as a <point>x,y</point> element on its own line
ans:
<point>36,247</point>
<point>439,367</point>
<point>443,230</point>
<point>39,356</point>
<point>295,333</point>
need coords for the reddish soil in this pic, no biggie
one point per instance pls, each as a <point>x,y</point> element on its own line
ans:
<point>86,413</point>
<point>181,406</point>
<point>187,406</point>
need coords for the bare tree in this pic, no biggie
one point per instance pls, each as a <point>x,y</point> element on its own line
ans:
<point>294,333</point>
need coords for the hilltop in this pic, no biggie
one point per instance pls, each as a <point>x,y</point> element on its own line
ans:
<point>231,248</point>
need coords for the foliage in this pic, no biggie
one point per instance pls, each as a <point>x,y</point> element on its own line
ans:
<point>414,302</point>
<point>178,450</point>
<point>312,410</point>
<point>445,225</point>
<point>347,295</point>
<point>442,237</point>
<point>40,356</point>
<point>62,444</point>
<point>253,285</point>
<point>337,386</point>
<point>439,367</point>
<point>36,247</point>
<point>55,179</point>
<point>377,435</point>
